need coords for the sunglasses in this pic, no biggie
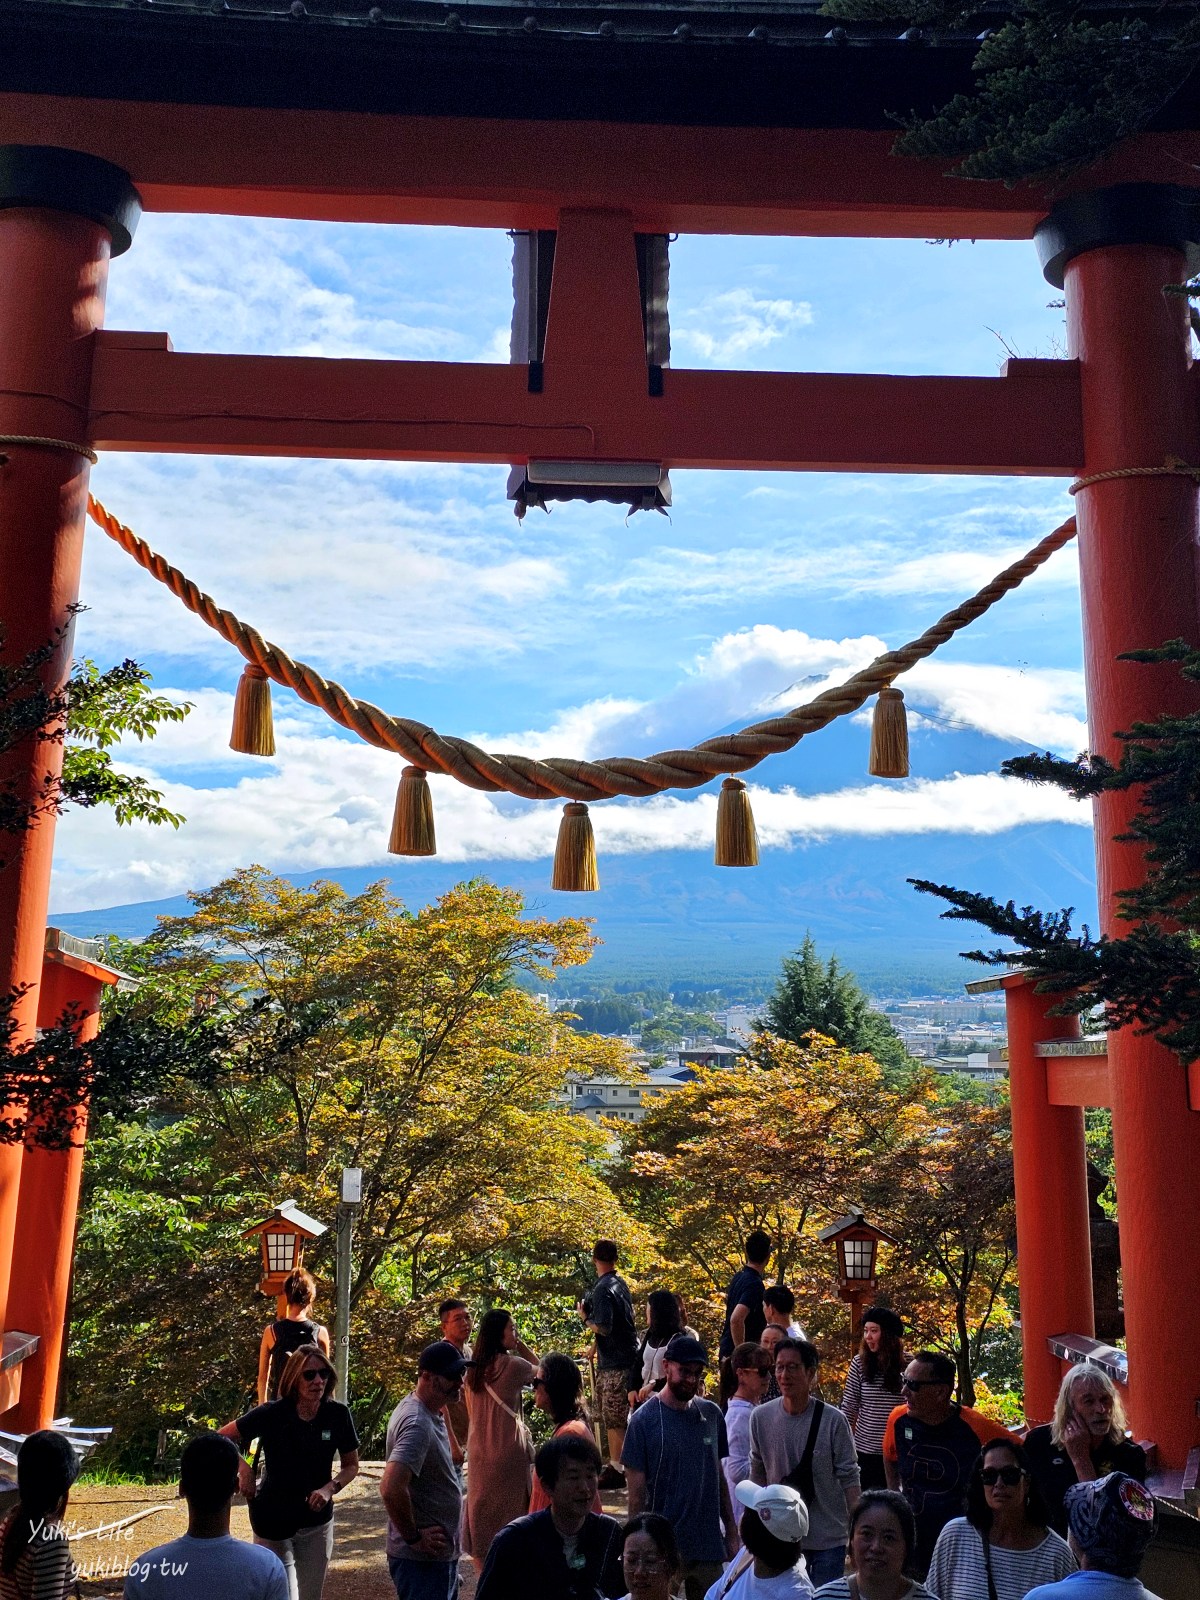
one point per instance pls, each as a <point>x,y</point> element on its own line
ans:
<point>538,1383</point>
<point>1009,1475</point>
<point>315,1375</point>
<point>921,1383</point>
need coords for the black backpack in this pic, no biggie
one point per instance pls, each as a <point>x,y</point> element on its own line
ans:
<point>290,1334</point>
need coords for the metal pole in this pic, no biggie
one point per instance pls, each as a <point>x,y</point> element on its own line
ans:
<point>351,1192</point>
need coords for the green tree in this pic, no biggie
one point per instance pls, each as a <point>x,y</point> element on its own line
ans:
<point>816,996</point>
<point>1148,978</point>
<point>46,1081</point>
<point>90,715</point>
<point>360,1034</point>
<point>1055,87</point>
<point>949,1194</point>
<point>787,1142</point>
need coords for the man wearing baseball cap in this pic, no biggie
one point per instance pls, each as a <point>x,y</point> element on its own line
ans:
<point>672,1459</point>
<point>420,1487</point>
<point>773,1528</point>
<point>1110,1522</point>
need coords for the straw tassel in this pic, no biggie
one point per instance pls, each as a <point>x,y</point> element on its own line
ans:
<point>253,729</point>
<point>737,840</point>
<point>412,820</point>
<point>889,736</point>
<point>575,853</point>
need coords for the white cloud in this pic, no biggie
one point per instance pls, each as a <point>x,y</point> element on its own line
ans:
<point>314,289</point>
<point>869,561</point>
<point>726,327</point>
<point>1042,708</point>
<point>325,800</point>
<point>343,564</point>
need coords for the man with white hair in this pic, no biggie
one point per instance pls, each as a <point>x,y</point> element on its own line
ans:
<point>1086,1440</point>
<point>1110,1523</point>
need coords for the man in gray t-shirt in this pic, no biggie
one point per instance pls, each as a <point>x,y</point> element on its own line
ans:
<point>420,1486</point>
<point>826,1474</point>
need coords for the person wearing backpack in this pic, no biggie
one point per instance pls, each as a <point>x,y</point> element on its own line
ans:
<point>287,1333</point>
<point>801,1441</point>
<point>608,1312</point>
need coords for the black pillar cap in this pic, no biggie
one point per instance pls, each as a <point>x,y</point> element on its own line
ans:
<point>72,181</point>
<point>1126,213</point>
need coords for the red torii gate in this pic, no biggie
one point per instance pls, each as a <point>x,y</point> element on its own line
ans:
<point>73,172</point>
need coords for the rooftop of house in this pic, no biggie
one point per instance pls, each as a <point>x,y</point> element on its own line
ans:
<point>700,62</point>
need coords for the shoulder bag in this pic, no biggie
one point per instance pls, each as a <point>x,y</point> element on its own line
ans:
<point>523,1436</point>
<point>987,1564</point>
<point>801,1475</point>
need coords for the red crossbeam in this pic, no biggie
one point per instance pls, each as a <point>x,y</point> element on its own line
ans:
<point>147,397</point>
<point>490,173</point>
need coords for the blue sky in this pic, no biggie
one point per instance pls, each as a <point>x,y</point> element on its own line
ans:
<point>573,634</point>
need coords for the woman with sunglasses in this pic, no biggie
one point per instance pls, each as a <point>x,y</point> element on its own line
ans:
<point>650,1557</point>
<point>558,1390</point>
<point>883,1543</point>
<point>291,1509</point>
<point>1003,1547</point>
<point>744,1377</point>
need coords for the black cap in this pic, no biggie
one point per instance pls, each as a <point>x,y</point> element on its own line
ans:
<point>885,1319</point>
<point>685,1349</point>
<point>444,1359</point>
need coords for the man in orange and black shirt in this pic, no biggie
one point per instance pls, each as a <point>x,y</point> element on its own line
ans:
<point>930,1447</point>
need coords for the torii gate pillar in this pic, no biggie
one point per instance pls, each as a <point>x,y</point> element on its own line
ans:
<point>1054,1260</point>
<point>62,214</point>
<point>1115,251</point>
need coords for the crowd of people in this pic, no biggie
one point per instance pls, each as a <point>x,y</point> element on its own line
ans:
<point>768,1492</point>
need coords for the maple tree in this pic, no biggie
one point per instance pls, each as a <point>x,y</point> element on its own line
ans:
<point>362,1035</point>
<point>787,1142</point>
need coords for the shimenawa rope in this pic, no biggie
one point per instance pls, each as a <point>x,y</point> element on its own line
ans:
<point>565,777</point>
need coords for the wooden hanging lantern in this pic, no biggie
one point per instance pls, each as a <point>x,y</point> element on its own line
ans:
<point>282,1236</point>
<point>857,1242</point>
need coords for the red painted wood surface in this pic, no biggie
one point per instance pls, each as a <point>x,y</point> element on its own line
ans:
<point>146,397</point>
<point>493,173</point>
<point>44,1243</point>
<point>52,277</point>
<point>1137,554</point>
<point>1078,1081</point>
<point>1050,1174</point>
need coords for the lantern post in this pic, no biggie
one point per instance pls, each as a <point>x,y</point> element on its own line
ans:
<point>857,1242</point>
<point>349,1204</point>
<point>282,1236</point>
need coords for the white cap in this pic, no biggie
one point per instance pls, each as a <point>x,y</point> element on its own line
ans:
<point>780,1509</point>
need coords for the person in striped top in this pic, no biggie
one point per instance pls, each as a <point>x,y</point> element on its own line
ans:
<point>883,1539</point>
<point>35,1558</point>
<point>872,1390</point>
<point>1003,1547</point>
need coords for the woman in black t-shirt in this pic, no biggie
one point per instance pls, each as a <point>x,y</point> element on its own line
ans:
<point>291,1509</point>
<point>287,1333</point>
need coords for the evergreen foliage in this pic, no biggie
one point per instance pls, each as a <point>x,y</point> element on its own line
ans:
<point>1055,90</point>
<point>90,715</point>
<point>1150,977</point>
<point>358,1034</point>
<point>815,996</point>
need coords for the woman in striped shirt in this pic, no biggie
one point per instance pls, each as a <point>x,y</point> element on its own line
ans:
<point>1002,1548</point>
<point>872,1390</point>
<point>35,1558</point>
